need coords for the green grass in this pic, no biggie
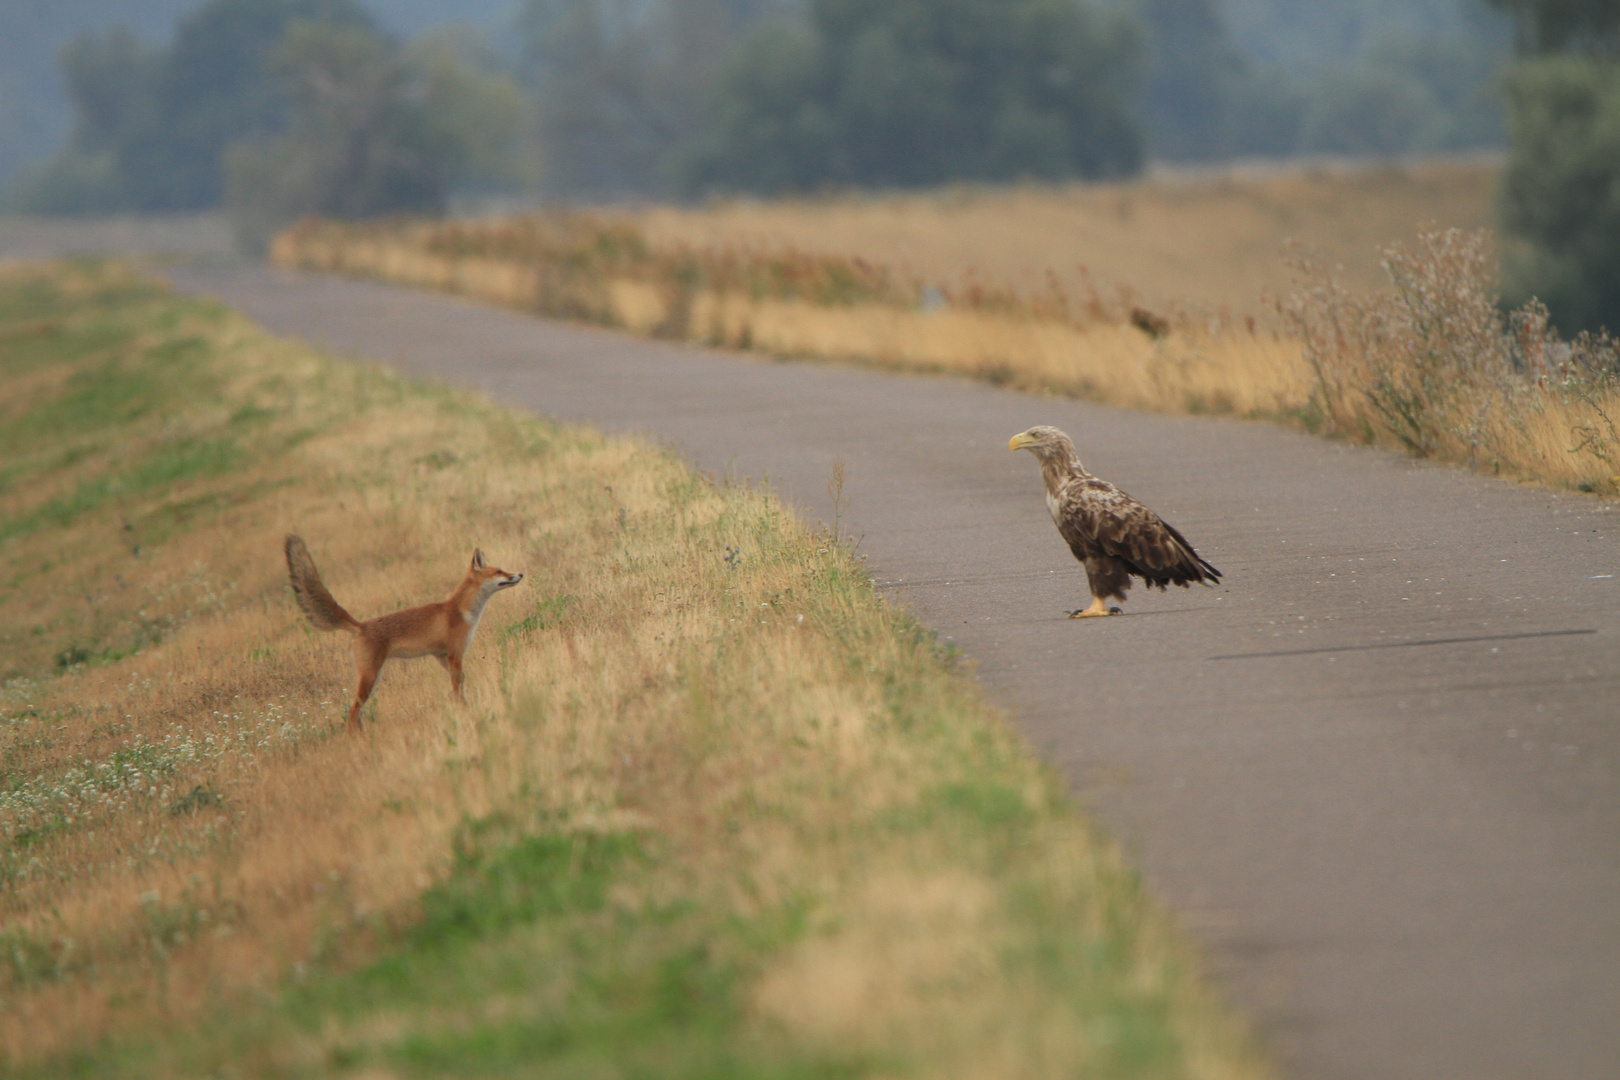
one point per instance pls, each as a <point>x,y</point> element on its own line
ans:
<point>638,989</point>
<point>111,424</point>
<point>136,422</point>
<point>610,986</point>
<point>542,953</point>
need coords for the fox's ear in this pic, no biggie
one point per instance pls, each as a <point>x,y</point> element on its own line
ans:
<point>478,559</point>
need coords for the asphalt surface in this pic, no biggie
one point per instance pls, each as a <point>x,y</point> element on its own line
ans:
<point>27,238</point>
<point>1375,771</point>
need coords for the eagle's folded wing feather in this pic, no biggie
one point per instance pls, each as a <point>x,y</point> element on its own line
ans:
<point>1110,522</point>
<point>1075,526</point>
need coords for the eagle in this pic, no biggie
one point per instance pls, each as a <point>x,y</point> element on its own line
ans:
<point>1114,536</point>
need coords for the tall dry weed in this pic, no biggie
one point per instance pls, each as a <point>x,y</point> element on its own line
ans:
<point>1586,373</point>
<point>1432,364</point>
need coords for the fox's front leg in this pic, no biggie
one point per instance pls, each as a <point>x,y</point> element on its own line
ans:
<point>452,664</point>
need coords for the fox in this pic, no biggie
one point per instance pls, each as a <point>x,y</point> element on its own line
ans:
<point>442,630</point>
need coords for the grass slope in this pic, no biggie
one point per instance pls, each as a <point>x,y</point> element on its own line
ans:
<point>713,809</point>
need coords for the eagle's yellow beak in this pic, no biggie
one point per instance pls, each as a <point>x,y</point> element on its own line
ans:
<point>1019,441</point>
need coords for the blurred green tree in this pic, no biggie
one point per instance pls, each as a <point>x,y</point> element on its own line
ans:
<point>215,85</point>
<point>151,128</point>
<point>1560,202</point>
<point>914,92</point>
<point>473,99</point>
<point>36,115</point>
<point>1461,81</point>
<point>1367,77</point>
<point>620,86</point>
<point>1196,80</point>
<point>1265,112</point>
<point>1367,112</point>
<point>109,81</point>
<point>1548,26</point>
<point>1560,195</point>
<point>372,129</point>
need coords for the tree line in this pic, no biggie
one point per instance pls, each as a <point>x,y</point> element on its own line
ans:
<point>1560,204</point>
<point>276,108</point>
<point>658,98</point>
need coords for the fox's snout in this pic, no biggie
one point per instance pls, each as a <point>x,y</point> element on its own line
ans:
<point>494,575</point>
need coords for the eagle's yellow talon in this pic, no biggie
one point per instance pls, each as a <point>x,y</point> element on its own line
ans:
<point>1096,610</point>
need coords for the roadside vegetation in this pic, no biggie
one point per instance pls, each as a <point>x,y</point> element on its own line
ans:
<point>713,808</point>
<point>1426,361</point>
<point>1432,364</point>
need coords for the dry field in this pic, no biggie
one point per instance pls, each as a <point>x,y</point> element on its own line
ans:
<point>1192,242</point>
<point>712,808</point>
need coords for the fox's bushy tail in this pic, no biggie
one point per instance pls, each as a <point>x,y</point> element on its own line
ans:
<point>325,612</point>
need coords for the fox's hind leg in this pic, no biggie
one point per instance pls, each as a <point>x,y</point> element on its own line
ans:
<point>368,662</point>
<point>361,693</point>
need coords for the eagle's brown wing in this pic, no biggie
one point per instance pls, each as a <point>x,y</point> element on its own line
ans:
<point>1096,518</point>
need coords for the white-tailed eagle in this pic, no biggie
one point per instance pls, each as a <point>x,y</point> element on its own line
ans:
<point>1114,536</point>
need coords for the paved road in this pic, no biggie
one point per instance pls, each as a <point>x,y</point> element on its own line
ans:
<point>1376,771</point>
<point>24,238</point>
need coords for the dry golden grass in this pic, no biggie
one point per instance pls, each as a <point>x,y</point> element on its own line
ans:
<point>1067,338</point>
<point>1192,368</point>
<point>1195,242</point>
<point>188,829</point>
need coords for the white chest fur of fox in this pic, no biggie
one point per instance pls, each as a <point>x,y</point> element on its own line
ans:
<point>443,630</point>
<point>430,643</point>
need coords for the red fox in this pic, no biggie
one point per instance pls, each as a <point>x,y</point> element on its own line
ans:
<point>442,630</point>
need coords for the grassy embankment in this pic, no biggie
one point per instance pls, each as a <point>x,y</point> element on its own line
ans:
<point>986,284</point>
<point>713,809</point>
